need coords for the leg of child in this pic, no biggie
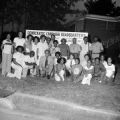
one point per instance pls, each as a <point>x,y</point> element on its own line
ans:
<point>84,80</point>
<point>57,78</point>
<point>89,77</point>
<point>61,73</point>
<point>102,77</point>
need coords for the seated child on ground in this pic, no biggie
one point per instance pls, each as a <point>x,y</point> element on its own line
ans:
<point>110,70</point>
<point>76,71</point>
<point>60,69</point>
<point>70,62</point>
<point>88,73</point>
<point>99,71</point>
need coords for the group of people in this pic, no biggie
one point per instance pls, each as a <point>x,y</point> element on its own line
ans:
<point>46,57</point>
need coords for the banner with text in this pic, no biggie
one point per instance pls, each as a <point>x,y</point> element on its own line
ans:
<point>59,35</point>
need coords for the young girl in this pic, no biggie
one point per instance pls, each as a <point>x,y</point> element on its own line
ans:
<point>60,69</point>
<point>110,70</point>
<point>86,58</point>
<point>70,62</point>
<point>34,48</point>
<point>7,49</point>
<point>88,72</point>
<point>76,71</point>
<point>102,60</point>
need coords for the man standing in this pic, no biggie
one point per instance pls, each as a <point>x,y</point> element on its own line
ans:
<point>75,48</point>
<point>46,65</point>
<point>96,48</point>
<point>64,48</point>
<point>85,49</point>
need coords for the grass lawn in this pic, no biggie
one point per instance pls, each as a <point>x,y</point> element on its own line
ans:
<point>97,95</point>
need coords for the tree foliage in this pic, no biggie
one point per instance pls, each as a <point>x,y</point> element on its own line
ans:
<point>37,14</point>
<point>102,7</point>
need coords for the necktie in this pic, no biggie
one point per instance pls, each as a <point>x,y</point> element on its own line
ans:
<point>46,62</point>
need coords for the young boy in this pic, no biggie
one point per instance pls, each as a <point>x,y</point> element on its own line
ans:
<point>76,71</point>
<point>29,63</point>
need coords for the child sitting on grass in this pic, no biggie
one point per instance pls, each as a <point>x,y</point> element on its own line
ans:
<point>88,73</point>
<point>76,71</point>
<point>110,70</point>
<point>60,69</point>
<point>70,62</point>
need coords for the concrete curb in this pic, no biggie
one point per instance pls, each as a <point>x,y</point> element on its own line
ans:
<point>65,103</point>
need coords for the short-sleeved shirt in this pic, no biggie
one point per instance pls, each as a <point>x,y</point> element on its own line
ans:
<point>110,69</point>
<point>96,47</point>
<point>19,58</point>
<point>7,46</point>
<point>77,69</point>
<point>75,48</point>
<point>64,48</point>
<point>19,41</point>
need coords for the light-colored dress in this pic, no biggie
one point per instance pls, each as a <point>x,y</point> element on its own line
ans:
<point>87,77</point>
<point>60,71</point>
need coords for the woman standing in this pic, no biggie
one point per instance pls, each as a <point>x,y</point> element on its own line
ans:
<point>7,49</point>
<point>34,48</point>
<point>28,44</point>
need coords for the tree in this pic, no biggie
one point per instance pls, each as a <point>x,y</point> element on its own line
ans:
<point>101,7</point>
<point>37,14</point>
<point>47,14</point>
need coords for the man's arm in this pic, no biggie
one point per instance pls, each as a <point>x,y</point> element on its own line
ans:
<point>15,62</point>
